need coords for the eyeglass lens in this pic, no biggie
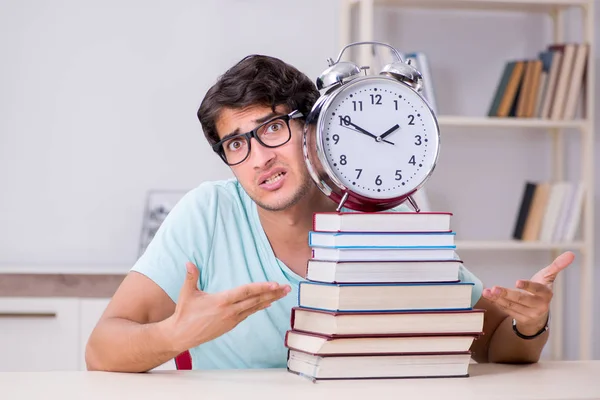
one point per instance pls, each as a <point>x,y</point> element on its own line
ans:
<point>272,134</point>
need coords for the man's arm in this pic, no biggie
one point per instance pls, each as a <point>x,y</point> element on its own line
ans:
<point>499,343</point>
<point>142,328</point>
<point>529,305</point>
<point>131,335</point>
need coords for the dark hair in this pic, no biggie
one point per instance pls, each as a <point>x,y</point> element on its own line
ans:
<point>256,80</point>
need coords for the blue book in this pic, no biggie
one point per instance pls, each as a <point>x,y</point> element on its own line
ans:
<point>419,240</point>
<point>384,254</point>
<point>391,297</point>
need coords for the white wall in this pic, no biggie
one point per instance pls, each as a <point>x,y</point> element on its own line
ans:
<point>481,172</point>
<point>98,103</point>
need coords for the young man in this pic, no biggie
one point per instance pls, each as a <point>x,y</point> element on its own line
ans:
<point>221,275</point>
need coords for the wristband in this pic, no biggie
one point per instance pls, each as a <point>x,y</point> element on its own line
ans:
<point>526,337</point>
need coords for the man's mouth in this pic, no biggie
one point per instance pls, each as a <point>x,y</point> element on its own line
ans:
<point>274,178</point>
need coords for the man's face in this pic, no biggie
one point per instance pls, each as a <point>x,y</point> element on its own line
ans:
<point>275,178</point>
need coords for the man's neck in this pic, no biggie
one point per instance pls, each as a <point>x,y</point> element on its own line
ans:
<point>291,226</point>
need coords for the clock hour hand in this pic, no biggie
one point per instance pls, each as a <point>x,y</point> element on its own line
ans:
<point>363,131</point>
<point>387,133</point>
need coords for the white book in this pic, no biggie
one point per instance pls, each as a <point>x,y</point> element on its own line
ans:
<point>564,77</point>
<point>574,216</point>
<point>552,80</point>
<point>559,228</point>
<point>555,203</point>
<point>576,81</point>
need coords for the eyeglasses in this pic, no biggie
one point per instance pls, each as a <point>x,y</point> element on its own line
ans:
<point>272,133</point>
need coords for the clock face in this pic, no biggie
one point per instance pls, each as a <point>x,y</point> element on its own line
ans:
<point>379,138</point>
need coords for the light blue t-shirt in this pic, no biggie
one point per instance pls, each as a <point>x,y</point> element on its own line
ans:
<point>216,226</point>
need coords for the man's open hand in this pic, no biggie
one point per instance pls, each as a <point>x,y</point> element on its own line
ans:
<point>529,304</point>
<point>200,317</point>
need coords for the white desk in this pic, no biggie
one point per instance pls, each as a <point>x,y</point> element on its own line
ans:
<point>545,380</point>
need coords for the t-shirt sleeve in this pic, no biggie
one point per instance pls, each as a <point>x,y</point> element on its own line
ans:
<point>467,276</point>
<point>184,236</point>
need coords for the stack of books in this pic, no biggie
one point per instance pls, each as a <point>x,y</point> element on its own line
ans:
<point>378,303</point>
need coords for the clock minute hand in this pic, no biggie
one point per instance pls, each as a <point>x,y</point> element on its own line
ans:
<point>388,132</point>
<point>363,131</point>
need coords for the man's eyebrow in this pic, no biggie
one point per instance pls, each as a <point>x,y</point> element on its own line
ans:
<point>258,121</point>
<point>265,118</point>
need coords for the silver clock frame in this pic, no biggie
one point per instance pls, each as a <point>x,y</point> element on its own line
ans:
<point>313,137</point>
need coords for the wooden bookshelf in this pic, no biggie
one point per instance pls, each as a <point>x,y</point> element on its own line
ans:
<point>536,6</point>
<point>363,30</point>
<point>509,123</point>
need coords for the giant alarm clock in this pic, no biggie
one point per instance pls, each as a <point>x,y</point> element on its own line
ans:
<point>371,141</point>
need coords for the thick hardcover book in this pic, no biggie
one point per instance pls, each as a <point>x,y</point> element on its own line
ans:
<point>381,239</point>
<point>384,254</point>
<point>379,366</point>
<point>420,343</point>
<point>382,222</point>
<point>385,297</point>
<point>384,323</point>
<point>383,271</point>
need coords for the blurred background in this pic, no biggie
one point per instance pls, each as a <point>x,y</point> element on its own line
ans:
<point>98,130</point>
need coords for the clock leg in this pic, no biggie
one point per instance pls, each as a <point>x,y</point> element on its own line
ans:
<point>414,204</point>
<point>342,201</point>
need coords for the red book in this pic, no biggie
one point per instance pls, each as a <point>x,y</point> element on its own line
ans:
<point>382,222</point>
<point>371,323</point>
<point>321,345</point>
<point>379,366</point>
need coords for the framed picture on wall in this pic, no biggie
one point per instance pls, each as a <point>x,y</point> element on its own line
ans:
<point>158,205</point>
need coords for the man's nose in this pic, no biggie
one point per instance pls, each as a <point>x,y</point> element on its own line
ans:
<point>259,154</point>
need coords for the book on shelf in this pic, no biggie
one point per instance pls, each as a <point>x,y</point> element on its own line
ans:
<point>417,59</point>
<point>414,343</point>
<point>382,222</point>
<point>376,366</point>
<point>420,61</point>
<point>380,239</point>
<point>547,87</point>
<point>383,271</point>
<point>549,211</point>
<point>384,323</point>
<point>385,296</point>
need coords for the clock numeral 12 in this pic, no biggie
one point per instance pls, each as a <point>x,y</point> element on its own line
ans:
<point>376,99</point>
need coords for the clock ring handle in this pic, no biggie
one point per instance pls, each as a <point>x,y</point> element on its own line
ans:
<point>396,53</point>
